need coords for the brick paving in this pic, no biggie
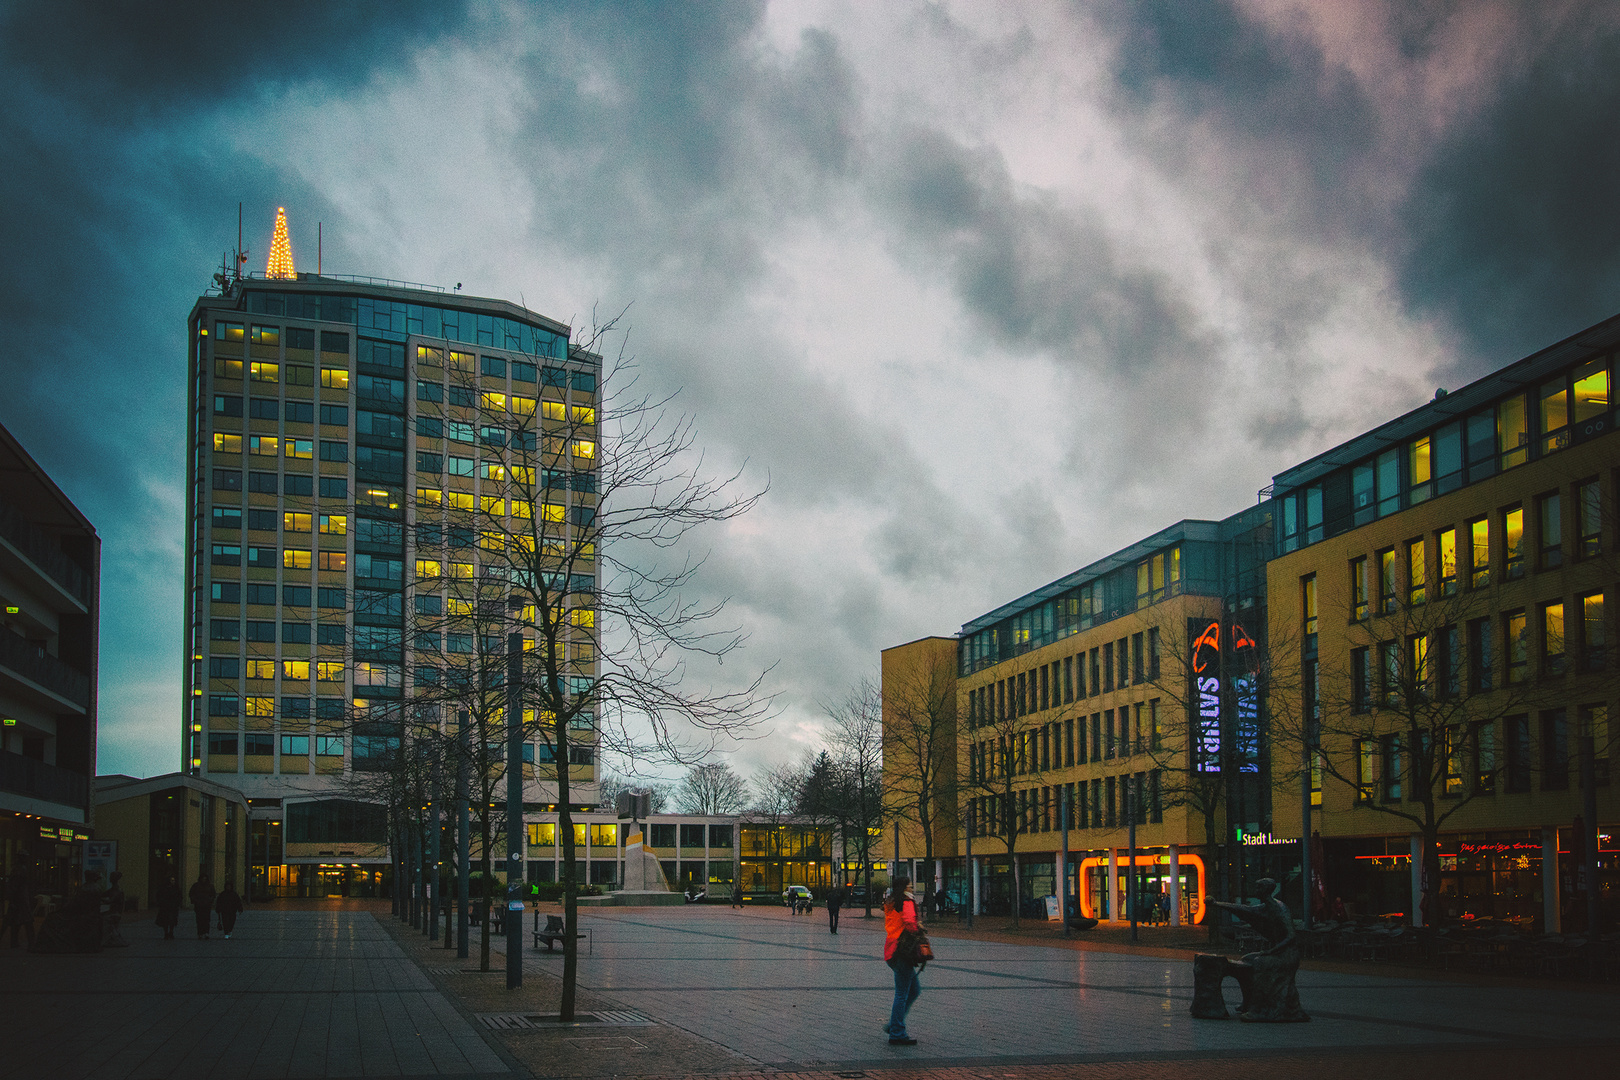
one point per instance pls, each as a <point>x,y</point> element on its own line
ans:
<point>340,990</point>
<point>779,991</point>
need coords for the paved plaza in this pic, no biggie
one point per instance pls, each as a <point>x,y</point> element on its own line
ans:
<point>780,990</point>
<point>345,993</point>
<point>300,994</point>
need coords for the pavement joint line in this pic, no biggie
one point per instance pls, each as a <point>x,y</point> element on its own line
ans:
<point>1140,1057</point>
<point>513,1065</point>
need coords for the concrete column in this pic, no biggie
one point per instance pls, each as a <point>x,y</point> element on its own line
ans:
<point>939,874</point>
<point>1175,885</point>
<point>1417,879</point>
<point>1552,920</point>
<point>1112,899</point>
<point>973,884</point>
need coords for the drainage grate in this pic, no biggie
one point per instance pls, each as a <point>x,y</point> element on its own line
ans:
<point>463,971</point>
<point>504,1021</point>
<point>622,1016</point>
<point>529,1021</point>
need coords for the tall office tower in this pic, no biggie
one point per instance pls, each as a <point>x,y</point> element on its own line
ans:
<point>370,464</point>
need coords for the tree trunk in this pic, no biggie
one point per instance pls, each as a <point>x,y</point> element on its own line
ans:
<point>1433,914</point>
<point>1017,886</point>
<point>565,823</point>
<point>483,884</point>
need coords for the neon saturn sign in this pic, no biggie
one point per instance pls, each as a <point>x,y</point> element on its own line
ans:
<point>1208,675</point>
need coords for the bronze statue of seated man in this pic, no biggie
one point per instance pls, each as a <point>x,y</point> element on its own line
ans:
<point>1265,977</point>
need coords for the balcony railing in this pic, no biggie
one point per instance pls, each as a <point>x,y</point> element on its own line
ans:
<point>36,780</point>
<point>22,535</point>
<point>38,666</point>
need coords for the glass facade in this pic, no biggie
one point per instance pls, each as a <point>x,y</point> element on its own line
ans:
<point>1567,407</point>
<point>325,531</point>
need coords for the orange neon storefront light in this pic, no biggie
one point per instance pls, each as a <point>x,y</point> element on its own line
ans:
<point>1196,861</point>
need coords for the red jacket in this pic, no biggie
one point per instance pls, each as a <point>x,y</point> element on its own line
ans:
<point>895,921</point>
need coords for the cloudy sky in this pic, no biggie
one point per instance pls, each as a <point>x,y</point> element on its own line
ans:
<point>985,291</point>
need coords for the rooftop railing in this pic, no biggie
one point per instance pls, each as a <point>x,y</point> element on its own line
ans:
<point>353,279</point>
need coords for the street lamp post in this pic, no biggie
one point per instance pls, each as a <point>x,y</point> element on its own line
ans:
<point>463,836</point>
<point>1063,858</point>
<point>514,809</point>
<point>970,893</point>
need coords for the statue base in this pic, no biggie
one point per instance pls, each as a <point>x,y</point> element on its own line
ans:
<point>1266,980</point>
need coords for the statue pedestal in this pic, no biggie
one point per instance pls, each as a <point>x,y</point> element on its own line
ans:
<point>642,874</point>
<point>1267,982</point>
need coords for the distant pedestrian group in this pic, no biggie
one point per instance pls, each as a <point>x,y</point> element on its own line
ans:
<point>19,905</point>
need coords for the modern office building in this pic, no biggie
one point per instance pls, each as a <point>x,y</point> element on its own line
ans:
<point>355,453</point>
<point>1409,637</point>
<point>1444,583</point>
<point>1107,692</point>
<point>50,567</point>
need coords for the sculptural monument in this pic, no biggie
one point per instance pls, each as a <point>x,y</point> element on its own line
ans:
<point>1266,977</point>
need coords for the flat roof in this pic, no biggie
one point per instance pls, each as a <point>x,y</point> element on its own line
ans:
<point>404,292</point>
<point>1186,529</point>
<point>1518,375</point>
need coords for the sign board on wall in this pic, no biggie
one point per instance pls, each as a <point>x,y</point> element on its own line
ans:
<point>101,856</point>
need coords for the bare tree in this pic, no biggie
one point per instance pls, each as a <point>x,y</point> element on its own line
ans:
<point>611,785</point>
<point>990,762</point>
<point>1404,720</point>
<point>563,523</point>
<point>712,789</point>
<point>778,791</point>
<point>848,785</point>
<point>919,731</point>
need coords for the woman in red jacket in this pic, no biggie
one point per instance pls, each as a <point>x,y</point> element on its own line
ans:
<point>900,913</point>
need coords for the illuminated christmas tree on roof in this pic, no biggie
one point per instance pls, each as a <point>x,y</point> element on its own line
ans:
<point>281,260</point>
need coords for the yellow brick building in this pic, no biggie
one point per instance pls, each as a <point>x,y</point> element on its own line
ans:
<point>1077,701</point>
<point>1442,597</point>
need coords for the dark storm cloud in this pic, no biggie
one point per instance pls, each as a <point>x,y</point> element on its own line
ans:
<point>1514,221</point>
<point>1505,229</point>
<point>113,214</point>
<point>670,134</point>
<point>1267,86</point>
<point>135,55</point>
<point>1040,277</point>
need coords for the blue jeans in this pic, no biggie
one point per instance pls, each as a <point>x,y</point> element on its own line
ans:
<point>906,989</point>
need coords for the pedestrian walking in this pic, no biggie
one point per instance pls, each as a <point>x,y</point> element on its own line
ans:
<point>736,896</point>
<point>202,902</point>
<point>20,905</point>
<point>229,906</point>
<point>900,917</point>
<point>835,900</point>
<point>168,906</point>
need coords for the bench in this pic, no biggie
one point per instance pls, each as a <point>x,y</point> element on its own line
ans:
<point>554,932</point>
